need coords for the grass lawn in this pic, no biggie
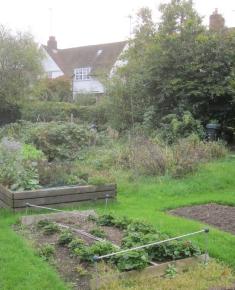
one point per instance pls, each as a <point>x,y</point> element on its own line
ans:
<point>148,199</point>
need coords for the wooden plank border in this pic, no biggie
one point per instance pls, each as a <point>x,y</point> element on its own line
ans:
<point>149,272</point>
<point>57,195</point>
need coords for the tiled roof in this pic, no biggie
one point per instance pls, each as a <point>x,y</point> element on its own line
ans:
<point>100,57</point>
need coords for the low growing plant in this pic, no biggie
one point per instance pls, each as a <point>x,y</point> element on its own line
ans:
<point>46,251</point>
<point>98,232</point>
<point>65,238</point>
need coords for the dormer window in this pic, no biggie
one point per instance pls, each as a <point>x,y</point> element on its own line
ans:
<point>82,74</point>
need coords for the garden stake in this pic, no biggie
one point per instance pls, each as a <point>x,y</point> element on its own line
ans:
<point>96,272</point>
<point>106,201</point>
<point>206,245</point>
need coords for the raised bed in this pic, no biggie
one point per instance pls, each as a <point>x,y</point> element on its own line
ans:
<point>65,195</point>
<point>157,270</point>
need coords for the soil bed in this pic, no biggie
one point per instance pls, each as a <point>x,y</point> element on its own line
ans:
<point>220,216</point>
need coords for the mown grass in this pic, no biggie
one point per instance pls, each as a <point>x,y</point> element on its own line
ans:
<point>144,198</point>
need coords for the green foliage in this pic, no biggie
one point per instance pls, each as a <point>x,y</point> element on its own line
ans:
<point>20,169</point>
<point>46,251</point>
<point>58,89</point>
<point>76,244</point>
<point>65,238</point>
<point>141,227</point>
<point>50,229</point>
<point>22,65</point>
<point>174,250</point>
<point>170,271</point>
<point>97,249</point>
<point>60,140</point>
<point>31,153</point>
<point>106,220</point>
<point>98,232</point>
<point>174,127</point>
<point>134,260</point>
<point>42,223</point>
<point>179,66</point>
<point>47,111</point>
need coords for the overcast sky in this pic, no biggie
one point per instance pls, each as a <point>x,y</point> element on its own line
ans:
<point>84,22</point>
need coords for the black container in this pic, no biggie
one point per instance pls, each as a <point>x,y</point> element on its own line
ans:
<point>213,131</point>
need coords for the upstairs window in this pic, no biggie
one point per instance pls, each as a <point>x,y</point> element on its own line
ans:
<point>82,74</point>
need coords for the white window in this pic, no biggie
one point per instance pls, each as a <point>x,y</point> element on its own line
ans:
<point>82,74</point>
<point>49,74</point>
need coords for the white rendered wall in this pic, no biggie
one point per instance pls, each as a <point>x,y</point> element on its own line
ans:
<point>50,66</point>
<point>89,86</point>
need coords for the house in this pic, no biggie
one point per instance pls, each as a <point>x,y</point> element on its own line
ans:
<point>86,66</point>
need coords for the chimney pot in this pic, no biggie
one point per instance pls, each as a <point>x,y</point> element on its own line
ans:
<point>52,43</point>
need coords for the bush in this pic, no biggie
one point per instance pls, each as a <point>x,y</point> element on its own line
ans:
<point>175,126</point>
<point>20,167</point>
<point>58,89</point>
<point>47,111</point>
<point>145,157</point>
<point>188,153</point>
<point>62,141</point>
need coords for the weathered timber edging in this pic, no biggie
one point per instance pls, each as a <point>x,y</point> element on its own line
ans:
<point>157,270</point>
<point>66,195</point>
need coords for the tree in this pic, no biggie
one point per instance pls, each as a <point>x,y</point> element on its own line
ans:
<point>20,66</point>
<point>180,67</point>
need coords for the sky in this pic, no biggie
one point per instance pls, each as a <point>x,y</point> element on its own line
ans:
<point>84,22</point>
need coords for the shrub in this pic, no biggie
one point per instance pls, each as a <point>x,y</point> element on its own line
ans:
<point>47,111</point>
<point>145,157</point>
<point>188,153</point>
<point>175,126</point>
<point>58,89</point>
<point>20,169</point>
<point>60,140</point>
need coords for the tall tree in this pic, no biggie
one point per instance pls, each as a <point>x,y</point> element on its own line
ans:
<point>20,65</point>
<point>179,67</point>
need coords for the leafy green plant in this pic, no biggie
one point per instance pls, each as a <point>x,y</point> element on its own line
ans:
<point>81,270</point>
<point>46,251</point>
<point>134,260</point>
<point>51,229</point>
<point>65,238</point>
<point>170,271</point>
<point>174,250</point>
<point>87,253</point>
<point>122,222</point>
<point>141,227</point>
<point>106,220</point>
<point>98,232</point>
<point>42,223</point>
<point>76,244</point>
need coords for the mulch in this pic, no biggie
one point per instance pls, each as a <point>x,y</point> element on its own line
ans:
<point>220,216</point>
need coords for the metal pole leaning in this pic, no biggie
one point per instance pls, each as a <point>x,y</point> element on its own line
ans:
<point>150,245</point>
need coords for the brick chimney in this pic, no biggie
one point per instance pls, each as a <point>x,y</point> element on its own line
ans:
<point>217,22</point>
<point>52,43</point>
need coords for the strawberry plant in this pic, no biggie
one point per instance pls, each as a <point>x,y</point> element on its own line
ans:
<point>65,238</point>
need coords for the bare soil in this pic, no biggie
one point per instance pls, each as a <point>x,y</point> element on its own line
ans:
<point>63,261</point>
<point>220,216</point>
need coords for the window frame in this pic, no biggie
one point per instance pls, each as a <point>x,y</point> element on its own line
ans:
<point>82,74</point>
